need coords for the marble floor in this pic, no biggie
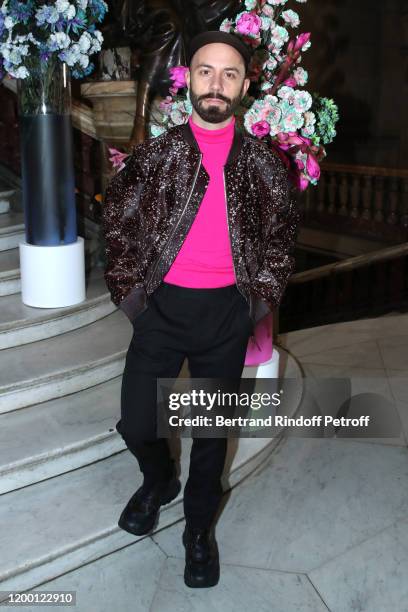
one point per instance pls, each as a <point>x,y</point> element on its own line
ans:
<point>321,525</point>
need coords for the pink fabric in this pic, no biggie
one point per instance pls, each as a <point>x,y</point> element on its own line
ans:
<point>260,351</point>
<point>205,257</point>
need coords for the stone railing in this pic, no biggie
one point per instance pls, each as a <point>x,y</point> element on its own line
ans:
<point>362,200</point>
<point>360,286</point>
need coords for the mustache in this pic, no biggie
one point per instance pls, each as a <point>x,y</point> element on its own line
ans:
<point>215,97</point>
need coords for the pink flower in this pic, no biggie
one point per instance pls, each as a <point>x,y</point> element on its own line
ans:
<point>302,182</point>
<point>290,139</point>
<point>290,82</point>
<point>312,167</point>
<point>117,158</point>
<point>178,76</point>
<point>301,40</point>
<point>260,129</point>
<point>249,24</point>
<point>165,104</point>
<point>267,10</point>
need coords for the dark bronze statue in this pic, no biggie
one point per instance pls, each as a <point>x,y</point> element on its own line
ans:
<point>161,30</point>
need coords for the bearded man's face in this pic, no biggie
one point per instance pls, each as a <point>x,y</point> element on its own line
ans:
<point>217,82</point>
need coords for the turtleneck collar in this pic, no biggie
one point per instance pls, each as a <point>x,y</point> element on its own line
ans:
<point>224,134</point>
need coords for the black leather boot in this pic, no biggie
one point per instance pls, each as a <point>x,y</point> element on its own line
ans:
<point>141,512</point>
<point>202,567</point>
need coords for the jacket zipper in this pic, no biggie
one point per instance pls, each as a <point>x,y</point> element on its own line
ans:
<point>232,250</point>
<point>177,224</point>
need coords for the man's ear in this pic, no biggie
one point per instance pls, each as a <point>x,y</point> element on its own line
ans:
<point>247,83</point>
<point>187,77</point>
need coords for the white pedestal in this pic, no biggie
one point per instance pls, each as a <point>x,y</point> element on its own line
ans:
<point>52,276</point>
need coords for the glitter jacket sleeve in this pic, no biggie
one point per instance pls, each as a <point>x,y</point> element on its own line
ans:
<point>123,277</point>
<point>281,229</point>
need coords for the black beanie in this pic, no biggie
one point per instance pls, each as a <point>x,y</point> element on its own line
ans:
<point>216,36</point>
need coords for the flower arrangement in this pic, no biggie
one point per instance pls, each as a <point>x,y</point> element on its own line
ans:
<point>34,32</point>
<point>286,117</point>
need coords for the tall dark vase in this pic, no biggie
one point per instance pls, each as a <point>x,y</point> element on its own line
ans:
<point>44,107</point>
<point>52,258</point>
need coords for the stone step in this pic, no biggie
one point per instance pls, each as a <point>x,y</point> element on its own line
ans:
<point>53,437</point>
<point>64,434</point>
<point>22,324</point>
<point>11,230</point>
<point>62,523</point>
<point>75,430</point>
<point>6,197</point>
<point>63,364</point>
<point>9,272</point>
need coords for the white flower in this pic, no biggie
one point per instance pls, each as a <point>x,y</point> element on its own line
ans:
<point>270,63</point>
<point>286,93</point>
<point>176,117</point>
<point>61,5</point>
<point>68,10</point>
<point>20,73</point>
<point>279,35</point>
<point>23,49</point>
<point>301,76</point>
<point>60,39</point>
<point>266,22</point>
<point>71,12</point>
<point>291,18</point>
<point>13,53</point>
<point>8,22</point>
<point>308,131</point>
<point>96,46</point>
<point>156,130</point>
<point>267,10</point>
<point>47,14</point>
<point>270,99</point>
<point>5,52</point>
<point>85,42</point>
<point>303,100</point>
<point>82,4</point>
<point>310,118</point>
<point>21,38</point>
<point>83,60</point>
<point>292,121</point>
<point>226,25</point>
<point>71,55</point>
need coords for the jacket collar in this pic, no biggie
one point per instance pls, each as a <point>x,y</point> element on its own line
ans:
<point>236,146</point>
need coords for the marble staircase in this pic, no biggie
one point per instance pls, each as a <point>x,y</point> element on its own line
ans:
<point>65,473</point>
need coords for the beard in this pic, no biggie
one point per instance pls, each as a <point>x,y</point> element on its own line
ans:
<point>215,113</point>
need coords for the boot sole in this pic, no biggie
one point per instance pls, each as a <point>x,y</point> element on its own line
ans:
<point>195,582</point>
<point>151,524</point>
<point>201,583</point>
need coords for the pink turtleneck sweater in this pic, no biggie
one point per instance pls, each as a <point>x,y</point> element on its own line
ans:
<point>205,257</point>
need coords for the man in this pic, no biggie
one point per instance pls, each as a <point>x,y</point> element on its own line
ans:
<point>200,227</point>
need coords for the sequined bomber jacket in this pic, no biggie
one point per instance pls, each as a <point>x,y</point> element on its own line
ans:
<point>150,205</point>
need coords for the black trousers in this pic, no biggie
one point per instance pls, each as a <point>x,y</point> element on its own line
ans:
<point>209,327</point>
